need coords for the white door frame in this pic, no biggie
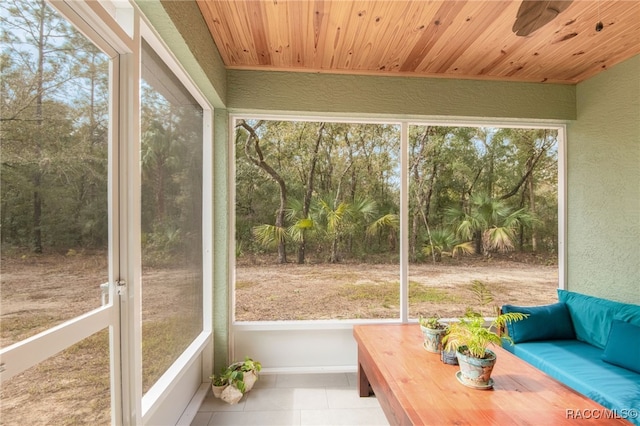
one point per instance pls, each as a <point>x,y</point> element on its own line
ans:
<point>116,28</point>
<point>35,349</point>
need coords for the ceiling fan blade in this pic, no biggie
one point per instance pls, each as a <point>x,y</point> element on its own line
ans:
<point>534,14</point>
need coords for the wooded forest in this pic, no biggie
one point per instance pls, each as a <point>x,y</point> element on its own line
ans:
<point>54,132</point>
<point>330,192</point>
<point>62,184</point>
<point>305,191</point>
<point>55,144</point>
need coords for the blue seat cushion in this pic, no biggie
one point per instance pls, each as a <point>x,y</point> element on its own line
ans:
<point>623,346</point>
<point>592,316</point>
<point>547,322</point>
<point>580,366</point>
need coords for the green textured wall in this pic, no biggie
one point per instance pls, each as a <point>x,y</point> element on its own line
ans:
<point>222,240</point>
<point>181,26</point>
<point>397,96</point>
<point>603,179</point>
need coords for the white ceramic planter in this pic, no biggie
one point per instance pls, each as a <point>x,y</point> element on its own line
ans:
<point>231,395</point>
<point>249,379</point>
<point>217,390</point>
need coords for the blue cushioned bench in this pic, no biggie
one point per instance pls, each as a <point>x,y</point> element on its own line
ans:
<point>590,344</point>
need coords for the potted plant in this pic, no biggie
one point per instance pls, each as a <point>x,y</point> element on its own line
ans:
<point>218,383</point>
<point>235,380</point>
<point>250,370</point>
<point>228,385</point>
<point>470,339</point>
<point>432,331</point>
<point>448,356</point>
<point>235,388</point>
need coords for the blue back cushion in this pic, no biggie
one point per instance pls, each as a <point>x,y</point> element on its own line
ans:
<point>623,346</point>
<point>548,322</point>
<point>592,316</point>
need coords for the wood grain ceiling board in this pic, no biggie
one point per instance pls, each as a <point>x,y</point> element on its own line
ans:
<point>456,38</point>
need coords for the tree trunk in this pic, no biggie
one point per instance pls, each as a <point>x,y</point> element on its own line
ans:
<point>37,178</point>
<point>308,194</point>
<point>421,196</point>
<point>477,238</point>
<point>532,210</point>
<point>334,258</point>
<point>413,242</point>
<point>282,249</point>
<point>259,161</point>
<point>302,249</point>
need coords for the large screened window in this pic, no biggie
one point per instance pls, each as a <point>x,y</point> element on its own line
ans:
<point>54,263</point>
<point>318,218</point>
<point>482,219</point>
<point>102,314</point>
<point>55,98</point>
<point>171,161</point>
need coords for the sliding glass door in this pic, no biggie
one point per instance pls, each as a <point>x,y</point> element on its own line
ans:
<point>58,268</point>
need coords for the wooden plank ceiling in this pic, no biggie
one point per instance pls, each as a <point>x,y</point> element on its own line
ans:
<point>460,39</point>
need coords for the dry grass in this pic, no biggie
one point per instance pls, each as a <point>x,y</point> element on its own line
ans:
<point>73,386</point>
<point>268,292</point>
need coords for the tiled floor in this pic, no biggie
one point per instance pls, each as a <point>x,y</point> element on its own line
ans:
<point>296,399</point>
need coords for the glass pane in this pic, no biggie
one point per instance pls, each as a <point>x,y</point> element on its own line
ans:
<point>316,220</point>
<point>171,155</point>
<point>483,219</point>
<point>55,86</point>
<point>71,387</point>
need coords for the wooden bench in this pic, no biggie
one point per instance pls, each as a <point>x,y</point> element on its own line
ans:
<point>415,388</point>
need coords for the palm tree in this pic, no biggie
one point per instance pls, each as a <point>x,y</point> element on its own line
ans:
<point>342,219</point>
<point>270,236</point>
<point>490,223</point>
<point>389,223</point>
<point>302,226</point>
<point>158,158</point>
<point>444,241</point>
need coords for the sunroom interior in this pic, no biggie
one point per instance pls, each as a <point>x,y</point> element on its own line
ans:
<point>588,90</point>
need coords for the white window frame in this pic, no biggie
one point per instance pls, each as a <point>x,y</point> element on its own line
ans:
<point>31,351</point>
<point>242,332</point>
<point>153,399</point>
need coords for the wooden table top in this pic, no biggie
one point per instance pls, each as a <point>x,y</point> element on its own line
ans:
<point>395,363</point>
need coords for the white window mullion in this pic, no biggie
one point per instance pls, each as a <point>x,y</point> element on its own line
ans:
<point>207,241</point>
<point>404,222</point>
<point>130,256</point>
<point>114,243</point>
<point>562,207</point>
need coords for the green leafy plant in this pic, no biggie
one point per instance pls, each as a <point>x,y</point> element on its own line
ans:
<point>218,380</point>
<point>483,296</point>
<point>471,336</point>
<point>230,376</point>
<point>250,365</point>
<point>234,374</point>
<point>444,242</point>
<point>432,323</point>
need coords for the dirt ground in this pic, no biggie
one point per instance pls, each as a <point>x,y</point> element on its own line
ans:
<point>41,291</point>
<point>38,292</point>
<point>355,290</point>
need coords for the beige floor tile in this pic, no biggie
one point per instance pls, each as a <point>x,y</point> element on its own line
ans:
<point>286,399</point>
<point>295,399</point>
<point>312,380</point>
<point>344,417</point>
<point>256,418</point>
